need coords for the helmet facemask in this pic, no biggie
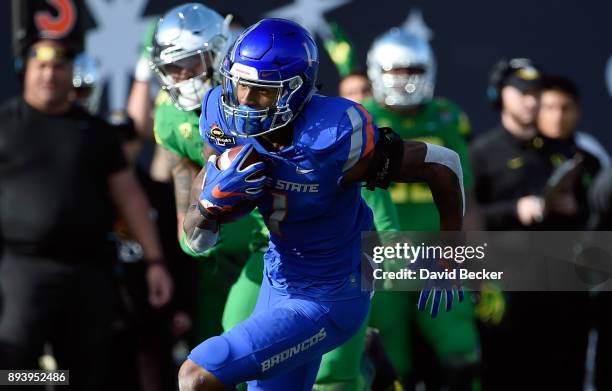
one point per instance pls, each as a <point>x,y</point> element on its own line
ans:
<point>187,94</point>
<point>405,88</point>
<point>247,121</point>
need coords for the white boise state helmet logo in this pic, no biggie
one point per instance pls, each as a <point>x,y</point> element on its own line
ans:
<point>244,71</point>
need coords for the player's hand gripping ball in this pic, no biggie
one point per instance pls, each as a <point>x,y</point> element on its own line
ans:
<point>232,184</point>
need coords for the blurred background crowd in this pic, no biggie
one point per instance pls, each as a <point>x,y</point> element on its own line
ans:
<point>91,261</point>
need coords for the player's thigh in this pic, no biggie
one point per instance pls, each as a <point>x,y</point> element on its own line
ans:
<point>299,379</point>
<point>452,335</point>
<point>278,339</point>
<point>243,295</point>
<point>264,345</point>
<point>344,362</point>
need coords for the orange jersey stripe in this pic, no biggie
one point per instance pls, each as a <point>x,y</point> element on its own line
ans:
<point>369,146</point>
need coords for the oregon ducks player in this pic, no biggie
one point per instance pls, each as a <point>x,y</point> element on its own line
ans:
<point>188,43</point>
<point>402,70</point>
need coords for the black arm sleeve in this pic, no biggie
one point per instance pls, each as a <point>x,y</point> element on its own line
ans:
<point>386,159</point>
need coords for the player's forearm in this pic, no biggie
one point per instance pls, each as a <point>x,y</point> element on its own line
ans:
<point>183,174</point>
<point>200,232</point>
<point>440,168</point>
<point>473,219</point>
<point>448,197</point>
<point>140,107</point>
<point>445,180</point>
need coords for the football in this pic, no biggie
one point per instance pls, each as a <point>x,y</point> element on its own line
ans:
<point>223,162</point>
<point>228,156</point>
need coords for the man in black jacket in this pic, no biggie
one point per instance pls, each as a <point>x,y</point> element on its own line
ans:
<point>62,177</point>
<point>513,164</point>
<point>508,169</point>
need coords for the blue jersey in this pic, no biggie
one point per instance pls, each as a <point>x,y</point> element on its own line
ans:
<point>315,224</point>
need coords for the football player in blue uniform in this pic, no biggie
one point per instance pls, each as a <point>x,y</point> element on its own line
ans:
<point>316,151</point>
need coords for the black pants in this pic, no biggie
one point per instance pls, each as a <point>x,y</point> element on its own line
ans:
<point>69,305</point>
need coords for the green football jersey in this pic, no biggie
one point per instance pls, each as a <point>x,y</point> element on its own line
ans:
<point>385,213</point>
<point>177,130</point>
<point>438,122</point>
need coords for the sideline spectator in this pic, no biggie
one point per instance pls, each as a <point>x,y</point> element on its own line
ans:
<point>512,165</point>
<point>355,86</point>
<point>62,174</point>
<point>557,122</point>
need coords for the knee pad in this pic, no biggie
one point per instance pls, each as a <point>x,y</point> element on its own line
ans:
<point>212,353</point>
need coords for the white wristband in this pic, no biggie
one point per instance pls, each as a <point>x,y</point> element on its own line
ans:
<point>201,240</point>
<point>449,158</point>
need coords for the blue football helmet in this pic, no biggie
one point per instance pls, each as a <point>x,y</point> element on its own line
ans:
<point>277,54</point>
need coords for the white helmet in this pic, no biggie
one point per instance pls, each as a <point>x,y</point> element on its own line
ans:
<point>187,36</point>
<point>397,49</point>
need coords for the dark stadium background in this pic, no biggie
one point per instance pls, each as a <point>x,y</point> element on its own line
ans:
<point>568,37</point>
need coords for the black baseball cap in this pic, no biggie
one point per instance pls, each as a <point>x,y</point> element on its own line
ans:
<point>525,77</point>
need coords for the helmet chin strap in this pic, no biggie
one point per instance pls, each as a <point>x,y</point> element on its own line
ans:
<point>253,125</point>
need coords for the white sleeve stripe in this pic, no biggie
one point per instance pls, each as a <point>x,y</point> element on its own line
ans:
<point>450,159</point>
<point>589,144</point>
<point>356,139</point>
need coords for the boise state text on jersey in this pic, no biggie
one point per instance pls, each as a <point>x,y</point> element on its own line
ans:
<point>315,224</point>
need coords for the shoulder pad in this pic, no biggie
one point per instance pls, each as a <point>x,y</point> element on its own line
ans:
<point>213,129</point>
<point>322,123</point>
